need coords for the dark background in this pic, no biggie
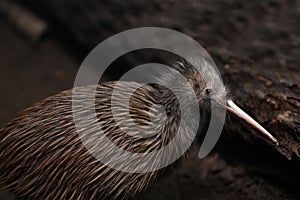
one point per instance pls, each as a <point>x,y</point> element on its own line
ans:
<point>256,45</point>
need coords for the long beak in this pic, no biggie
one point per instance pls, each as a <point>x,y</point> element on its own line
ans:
<point>233,108</point>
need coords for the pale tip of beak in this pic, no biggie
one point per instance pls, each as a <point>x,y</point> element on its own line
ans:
<point>233,108</point>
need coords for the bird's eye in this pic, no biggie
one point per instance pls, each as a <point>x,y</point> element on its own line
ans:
<point>208,91</point>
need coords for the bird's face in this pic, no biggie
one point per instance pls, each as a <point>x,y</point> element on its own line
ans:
<point>210,91</point>
<point>205,81</point>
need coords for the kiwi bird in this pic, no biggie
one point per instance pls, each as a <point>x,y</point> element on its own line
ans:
<point>42,156</point>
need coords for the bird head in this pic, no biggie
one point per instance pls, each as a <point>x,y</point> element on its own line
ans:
<point>207,85</point>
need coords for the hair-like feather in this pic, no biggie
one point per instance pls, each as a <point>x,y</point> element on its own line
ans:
<point>43,157</point>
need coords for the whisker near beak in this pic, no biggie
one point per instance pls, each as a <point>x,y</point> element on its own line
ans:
<point>233,108</point>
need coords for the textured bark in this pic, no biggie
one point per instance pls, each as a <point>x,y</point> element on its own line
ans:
<point>273,97</point>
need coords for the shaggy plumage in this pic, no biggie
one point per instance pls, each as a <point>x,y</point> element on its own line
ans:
<point>43,157</point>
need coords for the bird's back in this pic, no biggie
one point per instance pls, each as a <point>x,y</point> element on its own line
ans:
<point>42,155</point>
